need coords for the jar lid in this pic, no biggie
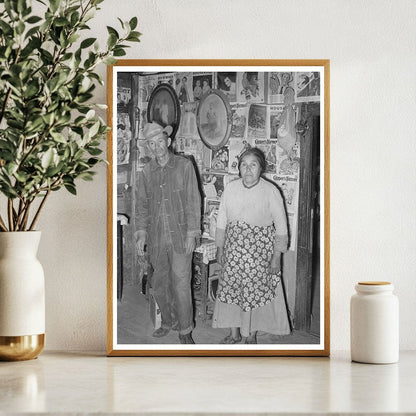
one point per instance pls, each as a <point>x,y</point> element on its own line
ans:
<point>374,283</point>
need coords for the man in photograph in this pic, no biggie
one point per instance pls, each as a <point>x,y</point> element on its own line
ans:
<point>168,218</point>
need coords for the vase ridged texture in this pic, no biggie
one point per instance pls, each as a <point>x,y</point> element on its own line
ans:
<point>22,285</point>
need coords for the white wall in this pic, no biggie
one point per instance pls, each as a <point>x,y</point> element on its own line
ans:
<point>371,45</point>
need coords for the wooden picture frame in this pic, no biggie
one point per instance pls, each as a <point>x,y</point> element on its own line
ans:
<point>301,173</point>
<point>214,119</point>
<point>164,107</point>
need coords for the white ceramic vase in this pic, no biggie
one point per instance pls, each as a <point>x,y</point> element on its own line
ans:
<point>22,296</point>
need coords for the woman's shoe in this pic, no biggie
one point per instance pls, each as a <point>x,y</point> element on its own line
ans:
<point>229,339</point>
<point>251,340</point>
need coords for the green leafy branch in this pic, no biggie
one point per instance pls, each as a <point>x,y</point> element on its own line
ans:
<point>50,134</point>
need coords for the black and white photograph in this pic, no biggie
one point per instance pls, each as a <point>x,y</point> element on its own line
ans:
<point>226,83</point>
<point>213,119</point>
<point>202,83</point>
<point>213,251</point>
<point>307,86</point>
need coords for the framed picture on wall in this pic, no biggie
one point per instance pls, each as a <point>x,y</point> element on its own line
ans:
<point>214,119</point>
<point>164,107</point>
<point>267,241</point>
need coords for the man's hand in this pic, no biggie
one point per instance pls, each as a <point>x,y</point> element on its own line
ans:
<point>190,244</point>
<point>140,244</point>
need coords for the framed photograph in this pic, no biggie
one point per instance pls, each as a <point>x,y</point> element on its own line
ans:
<point>264,298</point>
<point>164,107</point>
<point>213,119</point>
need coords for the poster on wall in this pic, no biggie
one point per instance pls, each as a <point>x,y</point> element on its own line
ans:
<point>227,84</point>
<point>250,86</point>
<point>236,147</point>
<point>146,88</point>
<point>257,127</point>
<point>183,87</point>
<point>123,138</point>
<point>308,86</point>
<point>220,159</point>
<point>240,152</point>
<point>279,83</point>
<point>202,83</point>
<point>239,114</point>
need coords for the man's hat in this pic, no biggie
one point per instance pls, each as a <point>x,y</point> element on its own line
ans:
<point>153,130</point>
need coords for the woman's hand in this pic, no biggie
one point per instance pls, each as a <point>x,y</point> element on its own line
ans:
<point>275,263</point>
<point>219,256</point>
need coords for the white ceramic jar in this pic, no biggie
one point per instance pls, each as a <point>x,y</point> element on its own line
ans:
<point>374,323</point>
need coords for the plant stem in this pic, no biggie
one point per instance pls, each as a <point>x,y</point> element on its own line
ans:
<point>2,225</point>
<point>18,216</point>
<point>10,213</point>
<point>39,209</point>
<point>26,216</point>
<point>21,215</point>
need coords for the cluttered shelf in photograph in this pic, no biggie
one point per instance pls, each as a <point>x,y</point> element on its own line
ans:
<point>216,244</point>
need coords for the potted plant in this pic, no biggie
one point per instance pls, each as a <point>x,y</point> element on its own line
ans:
<point>50,136</point>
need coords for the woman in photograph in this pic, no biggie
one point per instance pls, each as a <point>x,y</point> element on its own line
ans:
<point>197,90</point>
<point>206,88</point>
<point>251,236</point>
<point>183,91</point>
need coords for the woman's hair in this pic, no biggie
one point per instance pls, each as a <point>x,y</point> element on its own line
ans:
<point>258,154</point>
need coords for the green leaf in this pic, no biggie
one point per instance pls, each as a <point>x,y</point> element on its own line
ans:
<point>133,23</point>
<point>94,129</point>
<point>10,168</point>
<point>33,19</point>
<point>74,18</point>
<point>60,138</point>
<point>119,52</point>
<point>7,29</point>
<point>21,5</point>
<point>47,158</point>
<point>20,27</point>
<point>54,4</point>
<point>34,125</point>
<point>52,171</point>
<point>73,38</point>
<point>61,21</point>
<point>112,31</point>
<point>48,118</point>
<point>94,151</point>
<point>110,60</point>
<point>112,41</point>
<point>135,34</point>
<point>86,176</point>
<point>32,31</point>
<point>133,37</point>
<point>70,188</point>
<point>90,114</point>
<point>121,22</point>
<point>92,161</point>
<point>8,191</point>
<point>86,43</point>
<point>10,7</point>
<point>21,177</point>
